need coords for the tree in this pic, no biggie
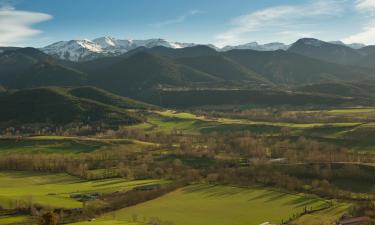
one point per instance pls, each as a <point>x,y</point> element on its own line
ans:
<point>48,218</point>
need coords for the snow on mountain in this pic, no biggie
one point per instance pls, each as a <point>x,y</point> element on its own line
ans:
<point>83,50</point>
<point>74,50</point>
<point>352,45</point>
<point>255,46</point>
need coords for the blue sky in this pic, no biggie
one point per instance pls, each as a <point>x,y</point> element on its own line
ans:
<point>41,22</point>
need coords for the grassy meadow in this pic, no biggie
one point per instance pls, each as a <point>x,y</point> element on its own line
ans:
<point>105,222</point>
<point>55,189</point>
<point>222,205</point>
<point>323,217</point>
<point>65,145</point>
<point>353,130</point>
<point>198,204</point>
<point>12,220</point>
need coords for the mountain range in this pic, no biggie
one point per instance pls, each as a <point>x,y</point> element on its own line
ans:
<point>85,50</point>
<point>310,71</point>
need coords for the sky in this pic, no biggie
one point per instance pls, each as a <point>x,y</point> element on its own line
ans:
<point>38,23</point>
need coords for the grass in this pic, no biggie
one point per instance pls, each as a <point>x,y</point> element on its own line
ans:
<point>324,217</point>
<point>169,124</point>
<point>64,145</point>
<point>104,222</point>
<point>228,121</point>
<point>12,220</point>
<point>222,205</point>
<point>55,189</point>
<point>352,110</point>
<point>354,134</point>
<point>48,145</point>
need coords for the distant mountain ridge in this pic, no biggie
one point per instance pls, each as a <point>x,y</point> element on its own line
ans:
<point>161,75</point>
<point>86,50</point>
<point>258,47</point>
<point>335,53</point>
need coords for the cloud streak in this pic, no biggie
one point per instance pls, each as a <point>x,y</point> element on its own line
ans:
<point>287,20</point>
<point>16,25</point>
<point>367,33</point>
<point>177,20</point>
<point>365,5</point>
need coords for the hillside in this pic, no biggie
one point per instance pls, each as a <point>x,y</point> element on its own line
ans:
<point>57,106</point>
<point>367,50</point>
<point>223,68</point>
<point>325,51</point>
<point>158,75</point>
<point>17,61</point>
<point>287,68</point>
<point>99,95</point>
<point>46,74</point>
<point>29,67</point>
<point>334,88</point>
<point>268,97</point>
<point>144,71</point>
<point>367,61</point>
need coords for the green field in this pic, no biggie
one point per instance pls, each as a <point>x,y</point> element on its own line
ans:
<point>49,144</point>
<point>352,110</point>
<point>64,145</point>
<point>324,217</point>
<point>168,121</point>
<point>105,222</point>
<point>188,116</point>
<point>12,220</point>
<point>55,189</point>
<point>353,134</point>
<point>221,205</point>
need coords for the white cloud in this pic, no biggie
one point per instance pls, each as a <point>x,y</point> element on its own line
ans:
<point>366,35</point>
<point>365,5</point>
<point>295,34</point>
<point>179,19</point>
<point>279,20</point>
<point>16,26</point>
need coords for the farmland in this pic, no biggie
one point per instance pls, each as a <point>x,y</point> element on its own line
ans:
<point>246,167</point>
<point>223,205</point>
<point>55,189</point>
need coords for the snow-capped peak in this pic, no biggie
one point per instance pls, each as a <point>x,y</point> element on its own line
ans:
<point>73,50</point>
<point>105,41</point>
<point>81,50</point>
<point>352,45</point>
<point>258,47</point>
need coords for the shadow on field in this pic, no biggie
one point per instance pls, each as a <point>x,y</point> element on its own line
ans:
<point>216,190</point>
<point>266,196</point>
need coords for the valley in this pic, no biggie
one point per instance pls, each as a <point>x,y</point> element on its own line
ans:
<point>165,133</point>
